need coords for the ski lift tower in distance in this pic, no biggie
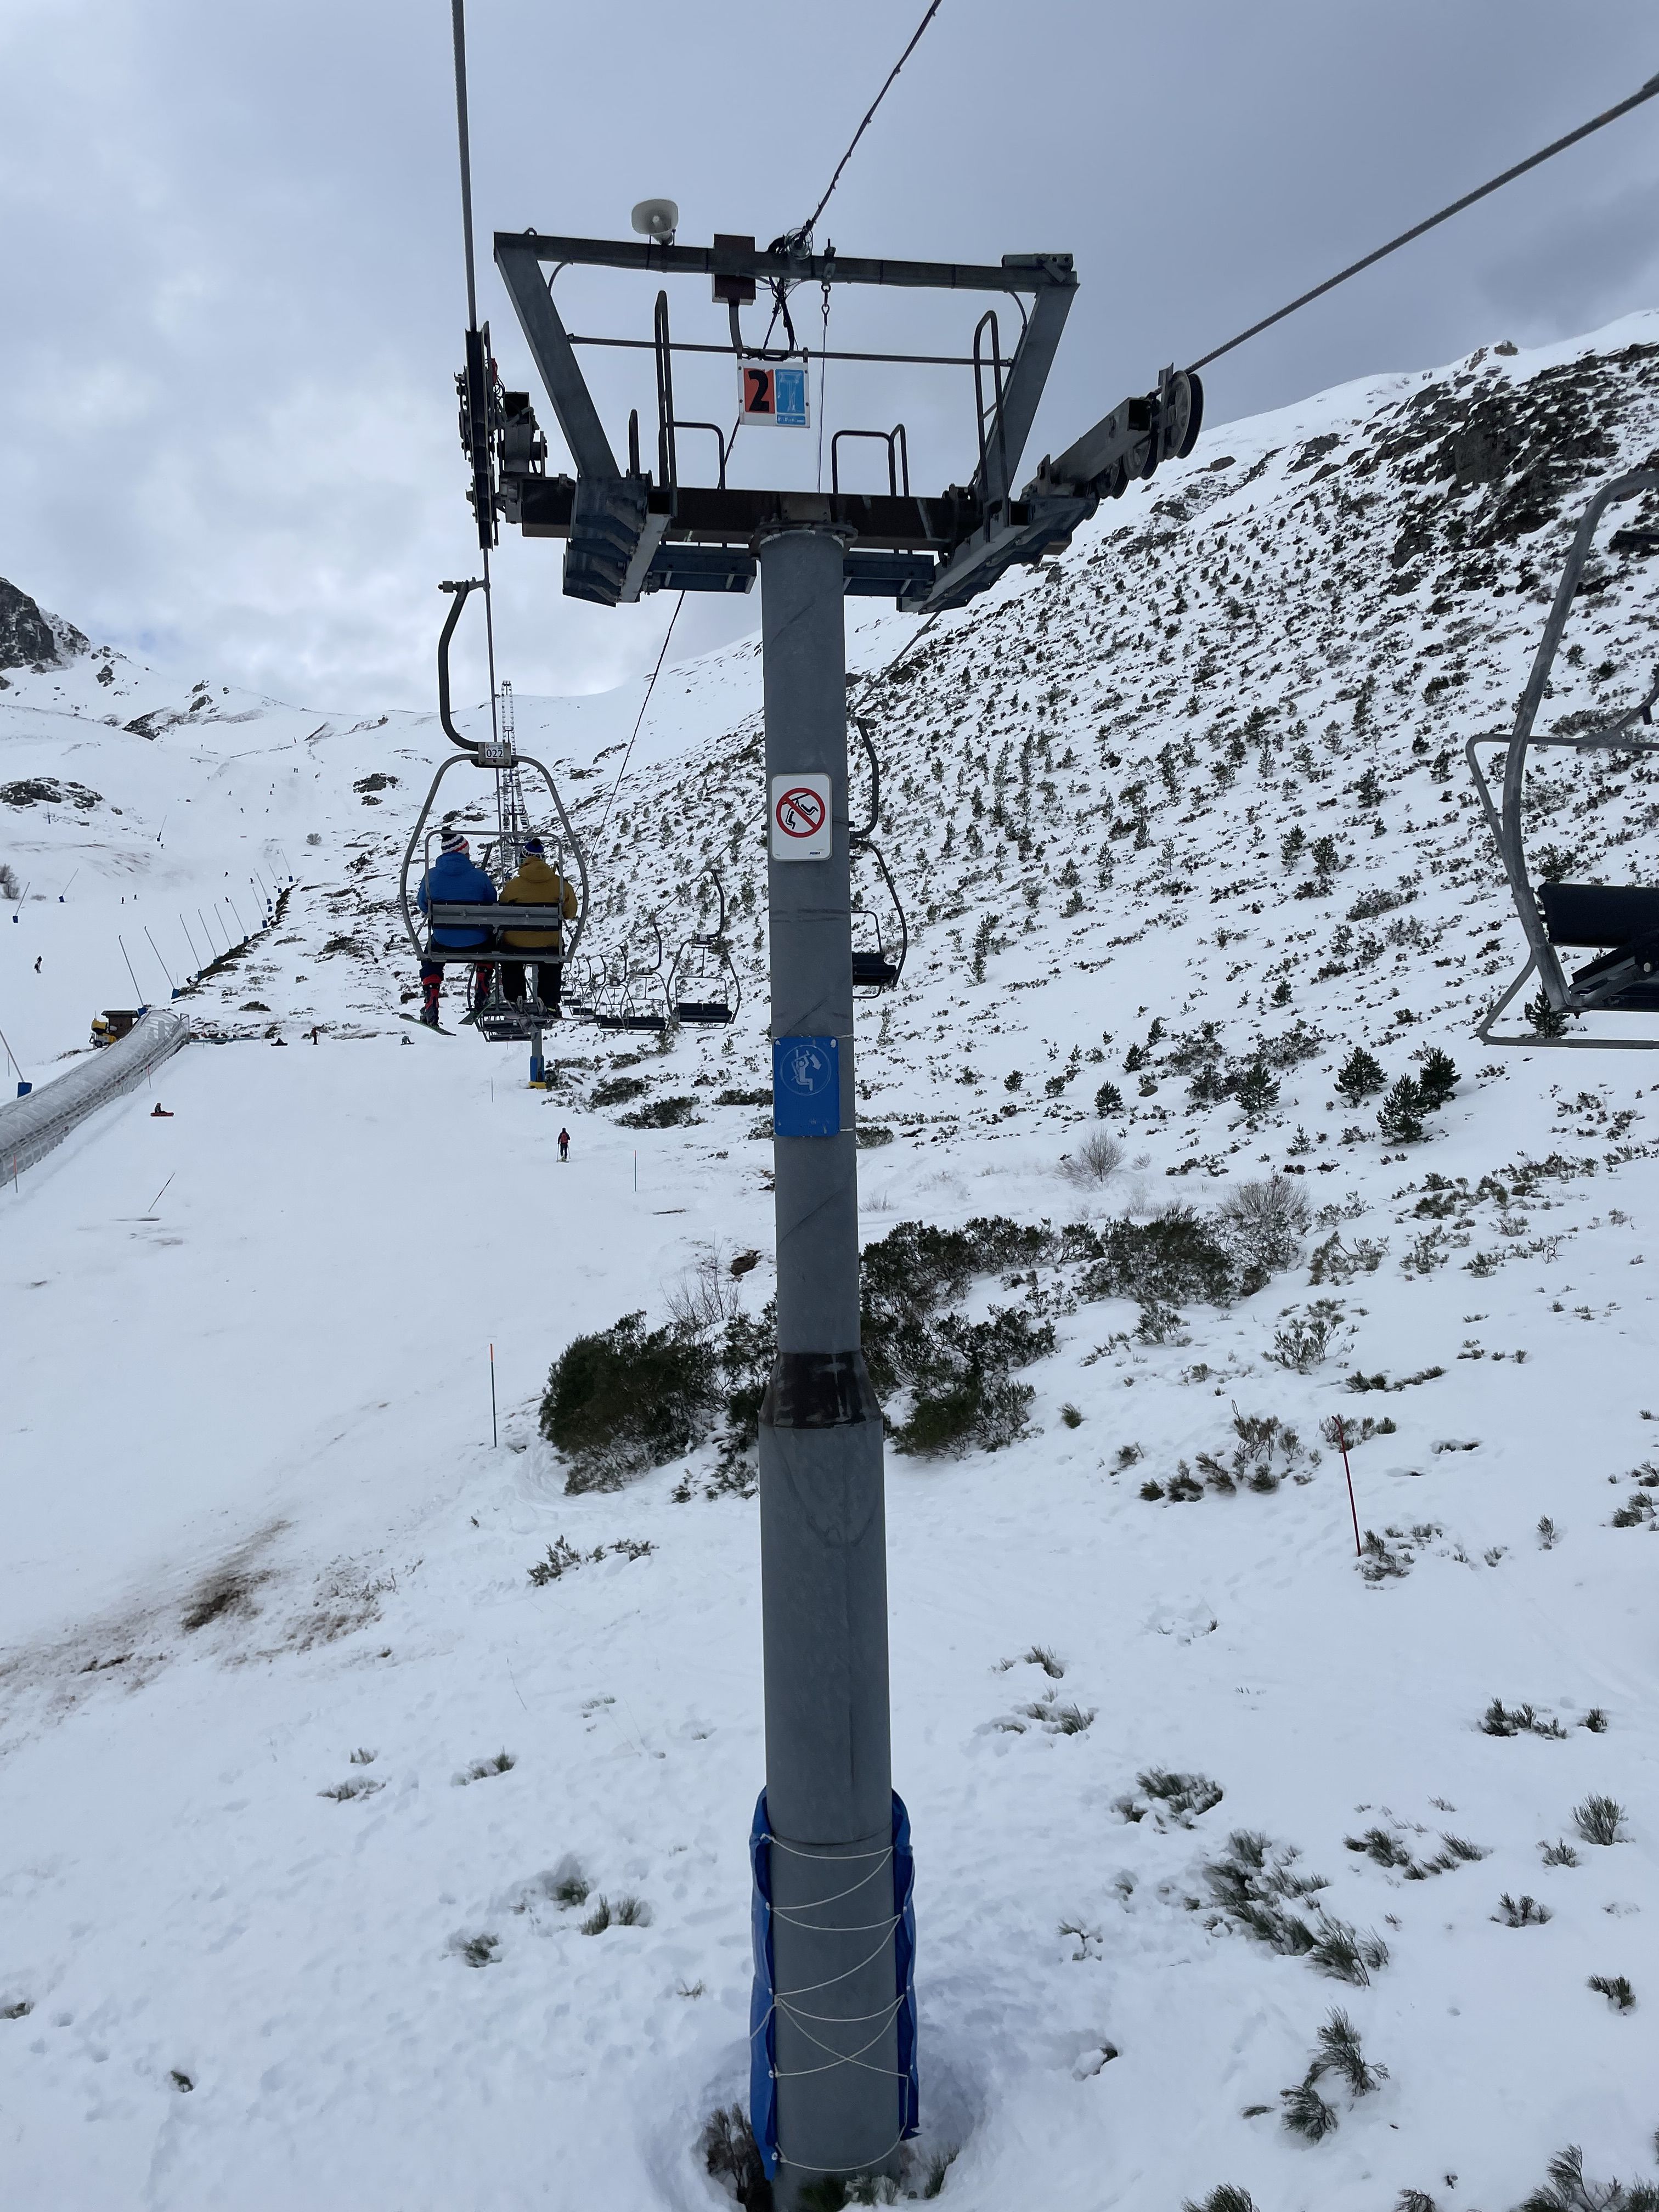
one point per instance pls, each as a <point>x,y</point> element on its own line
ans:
<point>833,2085</point>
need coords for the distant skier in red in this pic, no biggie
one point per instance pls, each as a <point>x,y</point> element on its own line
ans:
<point>564,1144</point>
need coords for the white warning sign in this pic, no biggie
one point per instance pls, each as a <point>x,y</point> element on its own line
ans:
<point>802,828</point>
<point>774,391</point>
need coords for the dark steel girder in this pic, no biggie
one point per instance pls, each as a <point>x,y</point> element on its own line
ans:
<point>1015,272</point>
<point>701,515</point>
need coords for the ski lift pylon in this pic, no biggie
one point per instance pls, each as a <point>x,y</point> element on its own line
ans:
<point>1621,920</point>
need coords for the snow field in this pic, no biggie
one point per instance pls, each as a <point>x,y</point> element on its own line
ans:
<point>265,1413</point>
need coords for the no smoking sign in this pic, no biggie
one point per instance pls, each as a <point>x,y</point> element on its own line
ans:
<point>802,826</point>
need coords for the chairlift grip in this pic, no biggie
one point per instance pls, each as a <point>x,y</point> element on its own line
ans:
<point>876,854</point>
<point>861,837</point>
<point>460,589</point>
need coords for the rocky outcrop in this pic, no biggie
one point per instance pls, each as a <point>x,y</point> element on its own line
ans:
<point>30,639</point>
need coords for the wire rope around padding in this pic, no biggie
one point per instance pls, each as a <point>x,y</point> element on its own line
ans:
<point>840,2166</point>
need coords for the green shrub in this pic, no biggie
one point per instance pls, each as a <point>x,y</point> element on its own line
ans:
<point>1161,1262</point>
<point>1256,1089</point>
<point>626,1398</point>
<point>1361,1076</point>
<point>617,1090</point>
<point>1400,1117</point>
<point>964,1393</point>
<point>661,1113</point>
<point>916,1267</point>
<point>1437,1079</point>
<point>1264,1221</point>
<point>1108,1099</point>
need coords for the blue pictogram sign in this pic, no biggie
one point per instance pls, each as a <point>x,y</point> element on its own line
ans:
<point>806,1086</point>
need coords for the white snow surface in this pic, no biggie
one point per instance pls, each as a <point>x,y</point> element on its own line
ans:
<point>260,1546</point>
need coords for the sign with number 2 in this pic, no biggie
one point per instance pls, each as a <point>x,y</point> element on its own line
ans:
<point>774,391</point>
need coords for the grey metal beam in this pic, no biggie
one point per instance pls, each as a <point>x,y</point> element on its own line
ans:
<point>703,514</point>
<point>1028,372</point>
<point>550,346</point>
<point>1016,272</point>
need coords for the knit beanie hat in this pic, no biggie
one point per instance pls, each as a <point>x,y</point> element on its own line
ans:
<point>533,846</point>
<point>454,841</point>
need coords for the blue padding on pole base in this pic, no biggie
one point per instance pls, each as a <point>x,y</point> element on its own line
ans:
<point>762,2029</point>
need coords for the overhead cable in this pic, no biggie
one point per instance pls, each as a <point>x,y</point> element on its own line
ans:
<point>458,26</point>
<point>1584,130</point>
<point>640,719</point>
<point>807,227</point>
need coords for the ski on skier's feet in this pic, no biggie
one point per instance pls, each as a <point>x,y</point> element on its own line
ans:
<point>415,1022</point>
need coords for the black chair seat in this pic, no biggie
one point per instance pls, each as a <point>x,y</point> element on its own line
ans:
<point>1638,997</point>
<point>873,971</point>
<point>1598,914</point>
<point>704,1012</point>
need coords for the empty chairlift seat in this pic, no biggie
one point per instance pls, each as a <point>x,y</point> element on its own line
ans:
<point>1623,917</point>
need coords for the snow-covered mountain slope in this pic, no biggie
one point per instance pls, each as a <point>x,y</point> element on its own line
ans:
<point>262,1548</point>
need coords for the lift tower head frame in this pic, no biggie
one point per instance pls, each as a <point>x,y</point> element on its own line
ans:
<point>833,2030</point>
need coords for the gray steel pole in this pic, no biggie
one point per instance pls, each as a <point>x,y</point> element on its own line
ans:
<point>823,1567</point>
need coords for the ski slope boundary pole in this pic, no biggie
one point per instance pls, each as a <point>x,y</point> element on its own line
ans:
<point>495,1437</point>
<point>1342,1444</point>
<point>142,999</point>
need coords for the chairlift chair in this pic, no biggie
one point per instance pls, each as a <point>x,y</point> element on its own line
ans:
<point>498,1018</point>
<point>703,987</point>
<point>584,985</point>
<point>1619,922</point>
<point>875,967</point>
<point>634,996</point>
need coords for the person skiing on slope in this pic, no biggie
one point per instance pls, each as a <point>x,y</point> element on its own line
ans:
<point>451,879</point>
<point>564,1144</point>
<point>537,884</point>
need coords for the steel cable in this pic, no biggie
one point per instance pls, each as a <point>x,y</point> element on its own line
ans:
<point>1584,130</point>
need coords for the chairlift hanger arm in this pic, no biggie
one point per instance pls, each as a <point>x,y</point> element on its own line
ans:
<point>466,585</point>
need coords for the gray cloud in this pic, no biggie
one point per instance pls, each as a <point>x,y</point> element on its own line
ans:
<point>233,273</point>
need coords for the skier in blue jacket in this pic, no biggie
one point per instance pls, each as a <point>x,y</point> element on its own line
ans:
<point>453,877</point>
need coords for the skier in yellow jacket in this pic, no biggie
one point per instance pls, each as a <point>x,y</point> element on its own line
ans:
<point>537,884</point>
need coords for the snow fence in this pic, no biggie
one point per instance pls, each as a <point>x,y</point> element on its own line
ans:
<point>31,1127</point>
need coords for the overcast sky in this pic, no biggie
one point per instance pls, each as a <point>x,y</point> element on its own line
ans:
<point>235,298</point>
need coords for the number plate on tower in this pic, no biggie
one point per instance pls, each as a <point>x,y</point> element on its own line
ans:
<point>774,391</point>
